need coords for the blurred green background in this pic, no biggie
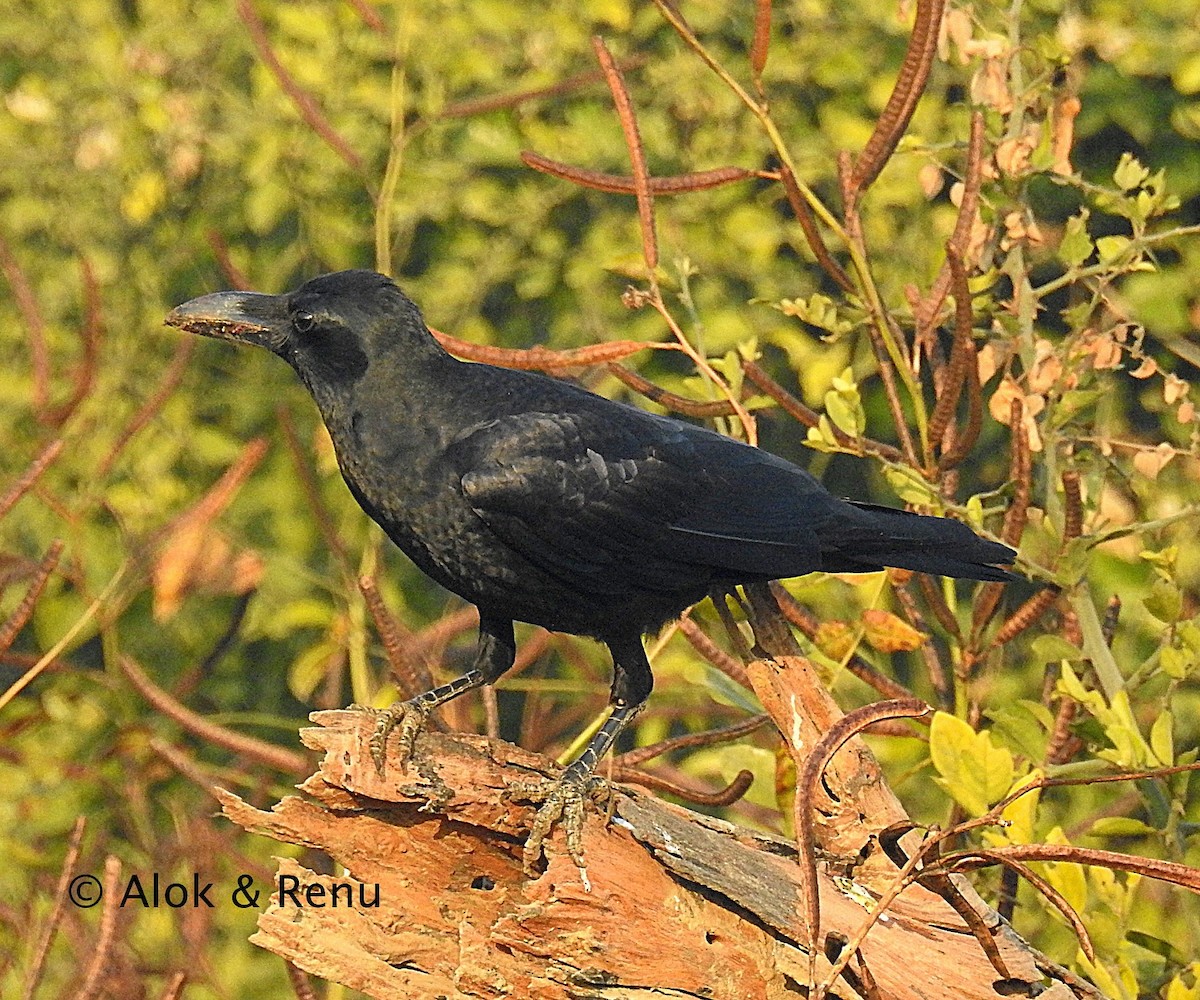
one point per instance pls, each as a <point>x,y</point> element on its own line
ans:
<point>153,152</point>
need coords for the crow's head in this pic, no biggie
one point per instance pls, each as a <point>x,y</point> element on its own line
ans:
<point>329,329</point>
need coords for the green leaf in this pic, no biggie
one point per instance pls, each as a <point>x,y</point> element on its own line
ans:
<point>1130,172</point>
<point>1050,648</point>
<point>909,485</point>
<point>1176,663</point>
<point>1112,248</point>
<point>844,405</point>
<point>1161,739</point>
<point>1120,826</point>
<point>1165,601</point>
<point>972,770</point>
<point>1076,245</point>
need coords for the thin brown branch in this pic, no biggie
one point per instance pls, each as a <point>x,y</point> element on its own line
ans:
<point>171,377</point>
<point>94,978</point>
<point>962,353</point>
<point>1181,875</point>
<point>183,764</point>
<point>301,984</point>
<point>1020,473</point>
<point>369,16</point>
<point>803,619</point>
<point>700,180</point>
<point>35,325</point>
<point>173,990</point>
<point>20,614</point>
<point>84,377</point>
<point>936,603</point>
<point>760,44</point>
<point>897,730</point>
<point>399,644</point>
<point>805,802</point>
<point>312,490</point>
<point>672,401</point>
<point>37,964</point>
<point>940,883</point>
<point>500,102</point>
<point>693,741</point>
<point>637,153</point>
<point>927,309</point>
<point>544,359</point>
<point>253,749</point>
<point>220,494</point>
<point>305,104</point>
<point>1052,895</point>
<point>736,638</point>
<point>30,476</point>
<point>939,676</point>
<point>233,274</point>
<point>850,217</point>
<point>726,796</point>
<point>794,408</point>
<point>888,374</point>
<point>433,639</point>
<point>812,235</point>
<point>910,84</point>
<point>968,434</point>
<point>729,665</point>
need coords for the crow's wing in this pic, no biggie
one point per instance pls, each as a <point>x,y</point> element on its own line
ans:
<point>606,504</point>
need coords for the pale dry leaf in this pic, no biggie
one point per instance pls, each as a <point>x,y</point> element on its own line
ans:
<point>989,86</point>
<point>932,179</point>
<point>1104,350</point>
<point>199,559</point>
<point>1186,412</point>
<point>1031,428</point>
<point>1062,133</point>
<point>1000,405</point>
<point>956,28</point>
<point>1151,461</point>
<point>1047,368</point>
<point>1174,388</point>
<point>1147,368</point>
<point>1021,228</point>
<point>1013,156</point>
<point>988,360</point>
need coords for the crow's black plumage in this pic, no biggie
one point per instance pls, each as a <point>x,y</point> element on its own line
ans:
<point>538,501</point>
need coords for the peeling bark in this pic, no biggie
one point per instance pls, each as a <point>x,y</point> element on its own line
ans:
<point>676,904</point>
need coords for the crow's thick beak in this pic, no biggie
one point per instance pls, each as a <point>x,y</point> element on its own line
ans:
<point>245,317</point>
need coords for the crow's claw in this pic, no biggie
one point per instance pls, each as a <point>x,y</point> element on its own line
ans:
<point>563,799</point>
<point>409,717</point>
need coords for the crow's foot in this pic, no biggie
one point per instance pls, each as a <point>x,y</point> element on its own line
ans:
<point>563,799</point>
<point>409,717</point>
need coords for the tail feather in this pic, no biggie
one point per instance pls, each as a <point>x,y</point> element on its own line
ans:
<point>884,536</point>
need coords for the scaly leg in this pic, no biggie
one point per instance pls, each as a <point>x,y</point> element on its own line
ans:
<point>565,797</point>
<point>493,656</point>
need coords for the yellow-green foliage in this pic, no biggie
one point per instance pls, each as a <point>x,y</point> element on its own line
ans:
<point>153,150</point>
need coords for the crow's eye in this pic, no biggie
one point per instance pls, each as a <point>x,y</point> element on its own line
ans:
<point>304,322</point>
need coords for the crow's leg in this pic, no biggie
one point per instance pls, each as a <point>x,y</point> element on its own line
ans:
<point>493,656</point>
<point>566,797</point>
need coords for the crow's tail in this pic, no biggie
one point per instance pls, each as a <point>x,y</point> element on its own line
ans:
<point>874,537</point>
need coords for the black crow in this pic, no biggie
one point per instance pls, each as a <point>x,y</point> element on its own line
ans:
<point>538,501</point>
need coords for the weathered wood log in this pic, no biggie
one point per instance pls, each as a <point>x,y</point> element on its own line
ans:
<point>675,904</point>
